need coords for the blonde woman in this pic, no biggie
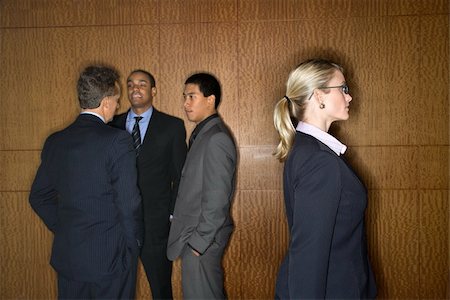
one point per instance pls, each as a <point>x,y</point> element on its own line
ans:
<point>325,200</point>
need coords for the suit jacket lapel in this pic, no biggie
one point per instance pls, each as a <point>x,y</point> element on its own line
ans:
<point>152,124</point>
<point>205,129</point>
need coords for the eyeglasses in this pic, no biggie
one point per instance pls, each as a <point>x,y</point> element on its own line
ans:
<point>344,88</point>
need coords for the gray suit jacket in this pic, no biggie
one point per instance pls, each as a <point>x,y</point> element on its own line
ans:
<point>202,210</point>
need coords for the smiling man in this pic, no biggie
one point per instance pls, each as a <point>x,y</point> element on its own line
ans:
<point>201,225</point>
<point>160,143</point>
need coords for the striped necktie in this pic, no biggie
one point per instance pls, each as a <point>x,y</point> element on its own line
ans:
<point>136,134</point>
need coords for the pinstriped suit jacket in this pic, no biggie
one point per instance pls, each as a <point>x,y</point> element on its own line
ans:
<point>85,191</point>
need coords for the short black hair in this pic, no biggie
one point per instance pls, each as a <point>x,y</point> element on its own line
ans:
<point>151,78</point>
<point>208,85</point>
<point>95,83</point>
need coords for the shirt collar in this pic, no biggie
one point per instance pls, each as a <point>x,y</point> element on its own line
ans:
<point>145,115</point>
<point>326,138</point>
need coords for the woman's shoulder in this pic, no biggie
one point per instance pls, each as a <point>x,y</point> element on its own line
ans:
<point>307,148</point>
<point>307,142</point>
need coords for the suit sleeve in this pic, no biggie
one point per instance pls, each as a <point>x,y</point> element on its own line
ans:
<point>317,192</point>
<point>218,178</point>
<point>127,196</point>
<point>179,149</point>
<point>43,196</point>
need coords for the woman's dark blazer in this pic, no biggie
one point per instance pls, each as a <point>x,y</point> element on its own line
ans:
<point>325,204</point>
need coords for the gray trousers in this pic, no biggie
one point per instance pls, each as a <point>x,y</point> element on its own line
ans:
<point>202,276</point>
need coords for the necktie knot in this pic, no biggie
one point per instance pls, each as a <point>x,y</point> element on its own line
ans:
<point>136,134</point>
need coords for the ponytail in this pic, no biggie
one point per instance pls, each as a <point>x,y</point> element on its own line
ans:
<point>285,128</point>
<point>308,76</point>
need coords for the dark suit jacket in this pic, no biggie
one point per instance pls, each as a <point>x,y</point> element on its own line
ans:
<point>85,191</point>
<point>325,205</point>
<point>160,161</point>
<point>202,210</point>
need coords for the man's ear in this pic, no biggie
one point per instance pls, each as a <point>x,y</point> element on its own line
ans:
<point>154,91</point>
<point>211,100</point>
<point>106,101</point>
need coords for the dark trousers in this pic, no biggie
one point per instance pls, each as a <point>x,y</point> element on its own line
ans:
<point>122,287</point>
<point>158,269</point>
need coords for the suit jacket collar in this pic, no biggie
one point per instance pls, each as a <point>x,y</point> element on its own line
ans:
<point>120,120</point>
<point>153,123</point>
<point>89,117</point>
<point>321,144</point>
<point>206,127</point>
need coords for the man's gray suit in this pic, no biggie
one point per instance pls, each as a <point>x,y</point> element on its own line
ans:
<point>201,218</point>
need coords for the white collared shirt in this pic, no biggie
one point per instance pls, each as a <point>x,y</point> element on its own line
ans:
<point>322,136</point>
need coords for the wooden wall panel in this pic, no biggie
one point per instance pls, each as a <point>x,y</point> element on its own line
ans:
<point>267,53</point>
<point>434,243</point>
<point>54,13</point>
<point>256,10</point>
<point>264,238</point>
<point>25,251</point>
<point>183,55</point>
<point>433,167</point>
<point>379,167</point>
<point>393,239</point>
<point>434,81</point>
<point>251,10</point>
<point>36,50</point>
<point>395,51</point>
<point>420,7</point>
<point>52,60</point>
<point>18,169</point>
<point>258,169</point>
<point>198,11</point>
<point>402,102</point>
<point>365,71</point>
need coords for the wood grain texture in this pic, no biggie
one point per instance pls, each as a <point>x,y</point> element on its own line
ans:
<point>267,53</point>
<point>258,169</point>
<point>433,167</point>
<point>182,55</point>
<point>50,63</point>
<point>434,243</point>
<point>264,238</point>
<point>434,81</point>
<point>198,11</point>
<point>393,241</point>
<point>396,54</point>
<point>25,245</point>
<point>18,169</point>
<point>384,167</point>
<point>45,13</point>
<point>256,10</point>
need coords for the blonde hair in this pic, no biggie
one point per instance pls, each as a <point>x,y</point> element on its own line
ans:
<point>300,86</point>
